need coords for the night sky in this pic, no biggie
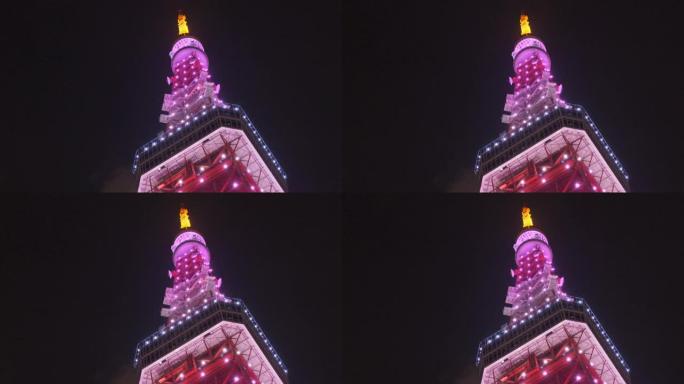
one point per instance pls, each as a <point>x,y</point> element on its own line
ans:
<point>86,277</point>
<point>85,81</point>
<point>427,81</point>
<point>431,275</point>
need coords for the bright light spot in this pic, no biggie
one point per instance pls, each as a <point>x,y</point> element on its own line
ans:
<point>201,180</point>
<point>544,181</point>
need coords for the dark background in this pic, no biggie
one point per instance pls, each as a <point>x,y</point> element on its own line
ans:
<point>84,83</point>
<point>431,275</point>
<point>425,85</point>
<point>84,280</point>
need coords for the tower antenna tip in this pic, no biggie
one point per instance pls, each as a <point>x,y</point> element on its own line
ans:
<point>182,24</point>
<point>184,218</point>
<point>527,217</point>
<point>525,28</point>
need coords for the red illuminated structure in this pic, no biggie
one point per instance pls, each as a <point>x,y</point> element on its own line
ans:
<point>208,337</point>
<point>551,337</point>
<point>549,145</point>
<point>207,145</point>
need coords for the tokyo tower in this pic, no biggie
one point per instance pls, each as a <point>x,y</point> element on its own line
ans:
<point>549,145</point>
<point>551,337</point>
<point>207,145</point>
<point>208,337</point>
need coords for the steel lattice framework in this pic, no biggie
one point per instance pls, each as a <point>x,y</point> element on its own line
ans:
<point>565,161</point>
<point>225,161</point>
<point>567,353</point>
<point>225,353</point>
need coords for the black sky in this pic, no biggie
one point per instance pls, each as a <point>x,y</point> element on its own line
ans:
<point>85,84</point>
<point>84,280</point>
<point>427,80</point>
<point>431,275</point>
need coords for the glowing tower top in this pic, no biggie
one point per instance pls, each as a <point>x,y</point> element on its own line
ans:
<point>535,283</point>
<point>193,283</point>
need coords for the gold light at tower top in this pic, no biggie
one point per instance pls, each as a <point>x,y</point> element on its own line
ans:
<point>182,24</point>
<point>525,25</point>
<point>527,217</point>
<point>184,218</point>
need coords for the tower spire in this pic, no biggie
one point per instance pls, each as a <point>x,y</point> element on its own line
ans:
<point>525,25</point>
<point>527,217</point>
<point>184,218</point>
<point>182,24</point>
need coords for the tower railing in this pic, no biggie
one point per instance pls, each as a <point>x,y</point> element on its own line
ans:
<point>158,344</point>
<point>573,308</point>
<point>156,151</point>
<point>515,140</point>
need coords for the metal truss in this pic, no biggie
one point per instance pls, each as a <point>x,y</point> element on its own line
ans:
<point>224,161</point>
<point>224,354</point>
<point>565,161</point>
<point>566,353</point>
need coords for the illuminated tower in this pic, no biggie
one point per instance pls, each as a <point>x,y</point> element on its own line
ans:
<point>549,145</point>
<point>207,145</point>
<point>550,337</point>
<point>208,337</point>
